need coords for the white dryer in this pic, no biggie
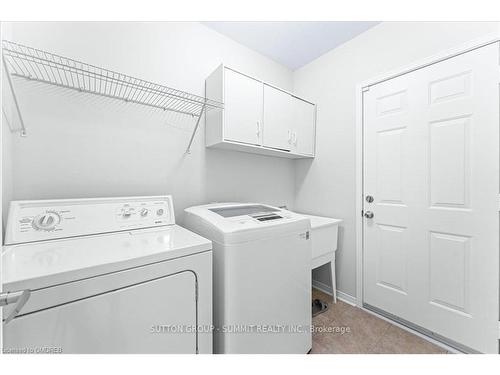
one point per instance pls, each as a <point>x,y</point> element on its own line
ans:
<point>111,275</point>
<point>262,276</point>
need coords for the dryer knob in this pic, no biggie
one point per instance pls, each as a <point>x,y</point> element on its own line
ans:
<point>46,221</point>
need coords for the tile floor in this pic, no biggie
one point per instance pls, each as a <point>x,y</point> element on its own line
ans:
<point>363,333</point>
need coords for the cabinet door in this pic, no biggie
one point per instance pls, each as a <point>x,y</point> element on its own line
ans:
<point>277,118</point>
<point>303,133</point>
<point>243,108</point>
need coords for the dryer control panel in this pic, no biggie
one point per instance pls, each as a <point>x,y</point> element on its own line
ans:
<point>50,219</point>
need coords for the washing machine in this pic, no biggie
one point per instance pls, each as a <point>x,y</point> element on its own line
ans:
<point>262,276</point>
<point>110,275</point>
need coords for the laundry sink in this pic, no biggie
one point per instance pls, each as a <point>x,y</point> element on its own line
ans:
<point>324,235</point>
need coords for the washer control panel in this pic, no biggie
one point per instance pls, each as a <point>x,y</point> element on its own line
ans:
<point>142,212</point>
<point>50,219</point>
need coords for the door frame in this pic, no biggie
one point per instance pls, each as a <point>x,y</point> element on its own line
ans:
<point>363,87</point>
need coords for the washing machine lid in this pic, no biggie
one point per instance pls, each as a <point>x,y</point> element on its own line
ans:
<point>241,222</point>
<point>48,263</point>
<point>251,210</point>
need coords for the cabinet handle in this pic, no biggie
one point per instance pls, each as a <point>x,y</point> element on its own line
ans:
<point>294,138</point>
<point>289,136</point>
<point>258,129</point>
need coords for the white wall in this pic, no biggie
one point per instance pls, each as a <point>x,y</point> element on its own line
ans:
<point>326,185</point>
<point>6,175</point>
<point>6,137</point>
<point>80,145</point>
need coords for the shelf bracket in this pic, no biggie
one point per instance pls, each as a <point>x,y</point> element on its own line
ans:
<point>14,97</point>
<point>188,150</point>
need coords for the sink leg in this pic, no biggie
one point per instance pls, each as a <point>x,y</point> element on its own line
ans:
<point>334,282</point>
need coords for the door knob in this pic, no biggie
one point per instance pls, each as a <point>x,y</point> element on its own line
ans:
<point>369,215</point>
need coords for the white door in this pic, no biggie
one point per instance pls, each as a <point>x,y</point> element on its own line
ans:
<point>243,108</point>
<point>277,119</point>
<point>151,317</point>
<point>303,133</point>
<point>431,164</point>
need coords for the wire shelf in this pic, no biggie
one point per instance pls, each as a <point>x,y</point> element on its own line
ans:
<point>49,68</point>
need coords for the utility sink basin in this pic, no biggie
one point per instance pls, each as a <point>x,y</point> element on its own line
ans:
<point>324,235</point>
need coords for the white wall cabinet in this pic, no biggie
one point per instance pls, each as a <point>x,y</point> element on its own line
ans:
<point>258,117</point>
<point>303,115</point>
<point>243,115</point>
<point>277,119</point>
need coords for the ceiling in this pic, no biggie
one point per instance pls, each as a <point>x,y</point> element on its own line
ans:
<point>292,44</point>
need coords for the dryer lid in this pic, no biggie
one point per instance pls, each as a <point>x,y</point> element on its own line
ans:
<point>47,263</point>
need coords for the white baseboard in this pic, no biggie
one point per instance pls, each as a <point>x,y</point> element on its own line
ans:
<point>347,298</point>
<point>323,287</point>
<point>344,297</point>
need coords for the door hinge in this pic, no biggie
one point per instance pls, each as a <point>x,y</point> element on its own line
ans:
<point>499,330</point>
